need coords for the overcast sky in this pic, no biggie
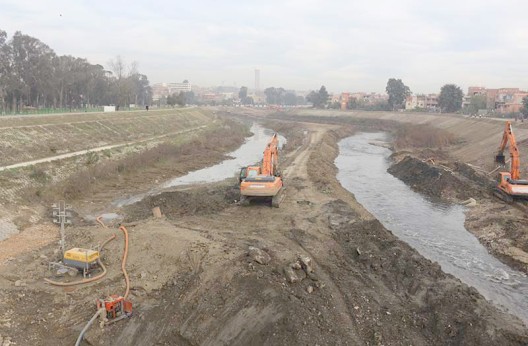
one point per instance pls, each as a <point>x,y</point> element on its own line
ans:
<point>345,45</point>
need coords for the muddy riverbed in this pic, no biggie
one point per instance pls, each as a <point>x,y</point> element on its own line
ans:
<point>434,228</point>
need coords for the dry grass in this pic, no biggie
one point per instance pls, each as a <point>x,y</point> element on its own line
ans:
<point>422,136</point>
<point>84,182</point>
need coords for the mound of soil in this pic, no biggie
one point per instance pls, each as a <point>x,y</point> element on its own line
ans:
<point>459,183</point>
<point>199,201</point>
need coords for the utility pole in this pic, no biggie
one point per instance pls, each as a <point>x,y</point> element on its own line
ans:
<point>62,215</point>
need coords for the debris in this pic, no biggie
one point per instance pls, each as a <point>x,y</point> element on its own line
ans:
<point>20,283</point>
<point>358,252</point>
<point>143,275</point>
<point>470,202</point>
<point>296,265</point>
<point>258,255</point>
<point>306,264</point>
<point>309,289</point>
<point>290,275</point>
<point>156,212</point>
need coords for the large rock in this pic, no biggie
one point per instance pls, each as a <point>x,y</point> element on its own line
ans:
<point>258,255</point>
<point>291,276</point>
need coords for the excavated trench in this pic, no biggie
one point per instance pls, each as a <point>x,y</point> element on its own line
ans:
<point>434,228</point>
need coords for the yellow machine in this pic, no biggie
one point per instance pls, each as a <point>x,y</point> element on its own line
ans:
<point>82,259</point>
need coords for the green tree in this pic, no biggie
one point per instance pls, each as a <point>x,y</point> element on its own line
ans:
<point>352,103</point>
<point>450,98</point>
<point>242,94</point>
<point>524,109</point>
<point>319,98</point>
<point>180,99</point>
<point>476,102</point>
<point>397,92</point>
<point>290,99</point>
<point>275,96</point>
<point>314,98</point>
<point>189,97</point>
<point>171,100</point>
<point>323,95</point>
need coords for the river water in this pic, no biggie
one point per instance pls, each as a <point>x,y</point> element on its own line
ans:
<point>247,154</point>
<point>435,229</point>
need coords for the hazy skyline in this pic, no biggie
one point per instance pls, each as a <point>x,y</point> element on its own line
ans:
<point>345,45</point>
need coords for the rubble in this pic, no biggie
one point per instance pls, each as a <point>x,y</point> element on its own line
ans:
<point>258,255</point>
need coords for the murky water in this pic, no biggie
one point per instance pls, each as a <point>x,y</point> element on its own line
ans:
<point>248,153</point>
<point>436,230</point>
<point>7,228</point>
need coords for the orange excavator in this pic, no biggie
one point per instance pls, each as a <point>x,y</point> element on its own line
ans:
<point>510,185</point>
<point>264,181</point>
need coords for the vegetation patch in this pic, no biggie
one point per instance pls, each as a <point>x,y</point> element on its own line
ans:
<point>422,136</point>
<point>169,154</point>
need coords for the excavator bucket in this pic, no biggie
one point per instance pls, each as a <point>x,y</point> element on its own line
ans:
<point>500,159</point>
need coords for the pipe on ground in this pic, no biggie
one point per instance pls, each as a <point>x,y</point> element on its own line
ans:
<point>88,325</point>
<point>123,262</point>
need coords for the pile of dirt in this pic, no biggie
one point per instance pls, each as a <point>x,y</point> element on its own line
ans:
<point>437,180</point>
<point>194,201</point>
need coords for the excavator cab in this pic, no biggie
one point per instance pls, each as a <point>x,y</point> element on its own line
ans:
<point>243,174</point>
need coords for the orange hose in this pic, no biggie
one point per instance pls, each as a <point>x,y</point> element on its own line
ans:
<point>99,219</point>
<point>84,281</point>
<point>123,262</point>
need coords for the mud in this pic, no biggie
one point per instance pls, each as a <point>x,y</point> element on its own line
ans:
<point>193,282</point>
<point>499,226</point>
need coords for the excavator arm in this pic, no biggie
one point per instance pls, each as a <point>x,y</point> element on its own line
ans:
<point>508,137</point>
<point>271,157</point>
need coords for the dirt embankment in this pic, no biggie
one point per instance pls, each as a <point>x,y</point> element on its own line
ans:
<point>450,159</point>
<point>194,281</point>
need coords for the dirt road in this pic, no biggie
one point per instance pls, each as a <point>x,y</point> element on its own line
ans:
<point>193,282</point>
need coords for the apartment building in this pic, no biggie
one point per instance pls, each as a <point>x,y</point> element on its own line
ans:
<point>502,100</point>
<point>429,102</point>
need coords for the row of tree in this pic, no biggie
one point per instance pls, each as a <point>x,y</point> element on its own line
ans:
<point>32,75</point>
<point>449,100</point>
<point>274,96</point>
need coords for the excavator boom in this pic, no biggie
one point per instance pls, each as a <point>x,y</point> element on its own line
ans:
<point>509,137</point>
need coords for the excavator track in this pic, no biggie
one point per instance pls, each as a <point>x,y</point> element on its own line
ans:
<point>503,195</point>
<point>277,199</point>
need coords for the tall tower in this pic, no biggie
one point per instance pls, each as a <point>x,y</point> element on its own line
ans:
<point>257,81</point>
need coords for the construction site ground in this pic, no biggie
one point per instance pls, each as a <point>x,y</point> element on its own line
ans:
<point>195,278</point>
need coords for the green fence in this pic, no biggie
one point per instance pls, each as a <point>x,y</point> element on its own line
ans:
<point>52,111</point>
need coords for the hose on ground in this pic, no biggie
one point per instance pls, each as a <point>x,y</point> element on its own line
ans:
<point>99,219</point>
<point>88,325</point>
<point>123,262</point>
<point>84,281</point>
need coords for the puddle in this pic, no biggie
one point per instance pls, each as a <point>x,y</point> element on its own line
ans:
<point>7,229</point>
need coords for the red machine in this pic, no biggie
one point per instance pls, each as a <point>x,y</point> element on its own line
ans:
<point>116,308</point>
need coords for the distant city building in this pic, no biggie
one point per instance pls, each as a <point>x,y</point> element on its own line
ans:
<point>159,90</point>
<point>257,81</point>
<point>503,100</point>
<point>344,101</point>
<point>428,102</point>
<point>175,88</point>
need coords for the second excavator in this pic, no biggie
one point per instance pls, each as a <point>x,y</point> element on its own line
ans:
<point>264,181</point>
<point>510,186</point>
